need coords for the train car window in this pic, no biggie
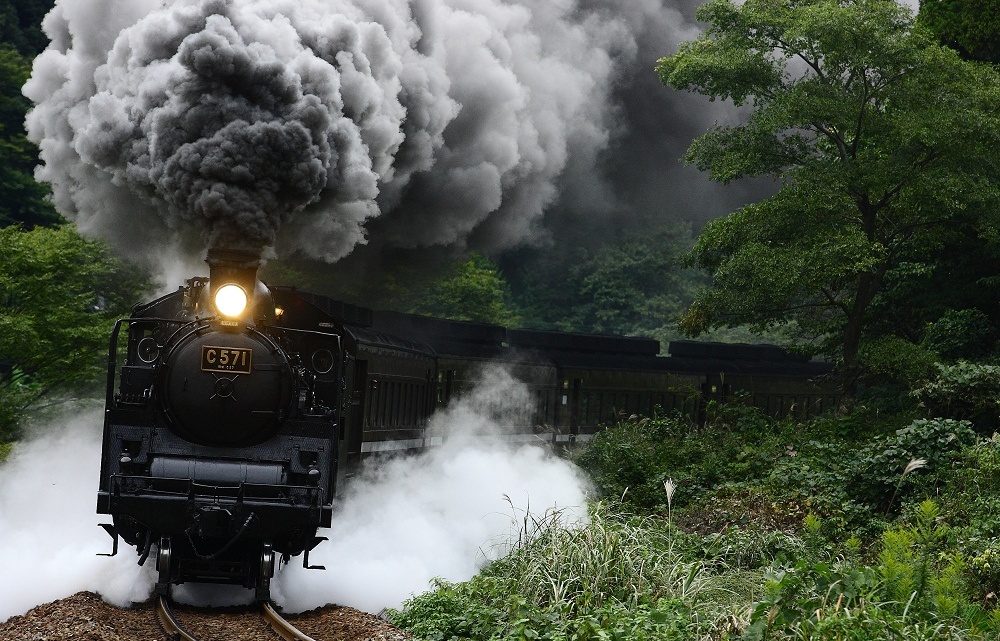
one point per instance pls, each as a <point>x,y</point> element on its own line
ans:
<point>408,406</point>
<point>404,403</point>
<point>400,403</point>
<point>371,412</point>
<point>386,405</point>
<point>406,413</point>
<point>411,409</point>
<point>397,404</point>
<point>397,401</point>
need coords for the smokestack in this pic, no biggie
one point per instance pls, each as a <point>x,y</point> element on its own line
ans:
<point>239,267</point>
<point>233,266</point>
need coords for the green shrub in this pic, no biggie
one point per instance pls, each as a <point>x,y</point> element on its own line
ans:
<point>452,611</point>
<point>895,358</point>
<point>631,460</point>
<point>964,390</point>
<point>887,470</point>
<point>960,333</point>
<point>915,591</point>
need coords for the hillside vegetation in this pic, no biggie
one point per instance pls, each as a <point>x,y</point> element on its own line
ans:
<point>862,527</point>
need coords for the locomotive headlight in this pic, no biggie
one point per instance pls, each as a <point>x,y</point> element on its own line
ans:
<point>230,300</point>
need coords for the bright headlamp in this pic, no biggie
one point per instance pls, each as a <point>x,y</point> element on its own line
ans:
<point>230,300</point>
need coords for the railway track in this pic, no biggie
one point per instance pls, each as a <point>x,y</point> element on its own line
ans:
<point>177,632</point>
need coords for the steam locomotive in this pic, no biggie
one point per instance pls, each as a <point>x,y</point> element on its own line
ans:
<point>236,412</point>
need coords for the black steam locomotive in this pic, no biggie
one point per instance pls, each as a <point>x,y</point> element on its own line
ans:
<point>235,412</point>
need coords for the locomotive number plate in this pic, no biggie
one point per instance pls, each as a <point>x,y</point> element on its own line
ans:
<point>226,359</point>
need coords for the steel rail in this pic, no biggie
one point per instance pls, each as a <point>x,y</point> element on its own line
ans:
<point>283,628</point>
<point>175,631</point>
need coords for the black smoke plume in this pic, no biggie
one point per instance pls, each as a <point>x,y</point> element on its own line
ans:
<point>307,126</point>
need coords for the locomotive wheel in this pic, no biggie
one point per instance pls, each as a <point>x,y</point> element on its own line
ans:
<point>267,561</point>
<point>265,572</point>
<point>163,561</point>
<point>163,556</point>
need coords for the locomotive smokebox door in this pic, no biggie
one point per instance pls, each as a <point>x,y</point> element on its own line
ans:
<point>226,388</point>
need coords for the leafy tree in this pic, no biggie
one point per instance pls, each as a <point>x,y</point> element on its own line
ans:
<point>22,199</point>
<point>59,297</point>
<point>473,290</point>
<point>634,286</point>
<point>21,22</point>
<point>883,141</point>
<point>971,27</point>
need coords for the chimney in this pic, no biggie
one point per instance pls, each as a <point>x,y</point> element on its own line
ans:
<point>233,266</point>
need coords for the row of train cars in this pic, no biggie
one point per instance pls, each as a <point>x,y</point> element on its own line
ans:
<point>407,366</point>
<point>237,412</point>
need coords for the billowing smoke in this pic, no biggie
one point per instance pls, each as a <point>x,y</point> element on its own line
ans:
<point>292,123</point>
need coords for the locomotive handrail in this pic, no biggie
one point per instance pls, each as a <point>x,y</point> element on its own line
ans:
<point>113,362</point>
<point>113,347</point>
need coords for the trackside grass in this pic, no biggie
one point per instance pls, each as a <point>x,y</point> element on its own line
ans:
<point>780,534</point>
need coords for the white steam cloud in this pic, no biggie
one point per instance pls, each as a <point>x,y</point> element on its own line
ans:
<point>441,514</point>
<point>292,123</point>
<point>49,538</point>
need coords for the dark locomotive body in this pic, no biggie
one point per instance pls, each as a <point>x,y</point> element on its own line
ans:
<point>222,435</point>
<point>227,439</point>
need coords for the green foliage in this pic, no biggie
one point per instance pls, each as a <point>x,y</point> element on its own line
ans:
<point>964,390</point>
<point>884,144</point>
<point>971,27</point>
<point>474,290</point>
<point>971,498</point>
<point>612,578</point>
<point>631,460</point>
<point>59,297</point>
<point>21,198</point>
<point>746,471</point>
<point>960,333</point>
<point>892,358</point>
<point>452,611</point>
<point>915,591</point>
<point>20,25</point>
<point>849,573</point>
<point>880,473</point>
<point>634,286</point>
